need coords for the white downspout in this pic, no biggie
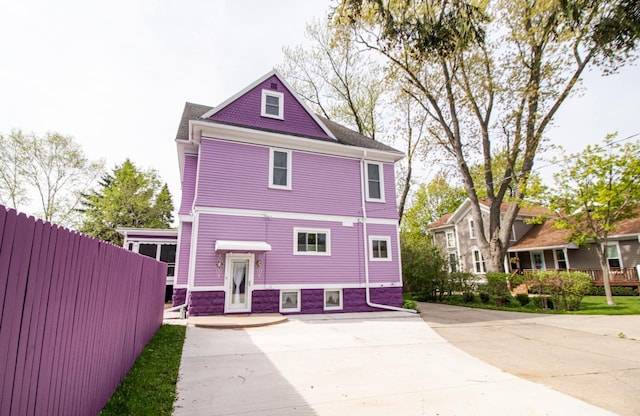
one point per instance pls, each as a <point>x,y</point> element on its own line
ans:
<point>365,244</point>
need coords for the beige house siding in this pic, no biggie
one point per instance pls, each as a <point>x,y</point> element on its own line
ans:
<point>630,252</point>
<point>584,258</point>
<point>520,228</point>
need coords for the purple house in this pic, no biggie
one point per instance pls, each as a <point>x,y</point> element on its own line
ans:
<point>283,210</point>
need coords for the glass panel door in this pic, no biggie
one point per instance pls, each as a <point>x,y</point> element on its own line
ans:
<point>238,284</point>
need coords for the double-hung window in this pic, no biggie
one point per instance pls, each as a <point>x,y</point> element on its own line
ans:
<point>613,256</point>
<point>379,248</point>
<point>561,260</point>
<point>478,262</point>
<point>280,169</point>
<point>272,104</point>
<point>375,182</point>
<point>472,228</point>
<point>451,241</point>
<point>311,241</point>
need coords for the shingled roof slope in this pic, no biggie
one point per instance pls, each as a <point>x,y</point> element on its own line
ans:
<point>191,112</point>
<point>343,134</point>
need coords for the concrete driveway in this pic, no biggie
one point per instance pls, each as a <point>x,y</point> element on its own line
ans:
<point>387,363</point>
<point>593,358</point>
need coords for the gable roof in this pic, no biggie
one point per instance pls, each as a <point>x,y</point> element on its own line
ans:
<point>454,217</point>
<point>546,236</point>
<point>342,134</point>
<point>225,113</point>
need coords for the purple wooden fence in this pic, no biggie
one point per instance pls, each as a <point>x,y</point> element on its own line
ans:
<point>75,313</point>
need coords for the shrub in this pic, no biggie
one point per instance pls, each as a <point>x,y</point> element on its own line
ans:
<point>566,289</point>
<point>498,288</point>
<point>516,279</point>
<point>423,267</point>
<point>484,297</point>
<point>523,298</point>
<point>462,282</point>
<point>615,290</point>
<point>409,304</point>
<point>468,297</point>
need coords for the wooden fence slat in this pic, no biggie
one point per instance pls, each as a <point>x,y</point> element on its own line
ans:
<point>46,273</point>
<point>6,246</point>
<point>24,363</point>
<point>14,300</point>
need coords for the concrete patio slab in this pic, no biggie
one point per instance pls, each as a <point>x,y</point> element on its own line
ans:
<point>357,364</point>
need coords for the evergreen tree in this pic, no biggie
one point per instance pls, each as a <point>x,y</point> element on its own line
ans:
<point>128,197</point>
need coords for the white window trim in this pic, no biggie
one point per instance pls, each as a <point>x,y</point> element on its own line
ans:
<point>453,241</point>
<point>333,308</point>
<point>533,264</point>
<point>297,230</point>
<point>271,157</point>
<point>472,229</point>
<point>381,173</point>
<point>617,244</point>
<point>263,108</point>
<point>380,238</point>
<point>456,260</point>
<point>483,266</point>
<point>556,260</point>
<point>286,310</point>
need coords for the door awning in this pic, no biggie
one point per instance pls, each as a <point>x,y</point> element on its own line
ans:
<point>233,245</point>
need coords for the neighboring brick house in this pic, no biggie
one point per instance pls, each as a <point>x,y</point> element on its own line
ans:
<point>283,210</point>
<point>539,246</point>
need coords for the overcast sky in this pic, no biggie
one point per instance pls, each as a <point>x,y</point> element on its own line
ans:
<point>116,74</point>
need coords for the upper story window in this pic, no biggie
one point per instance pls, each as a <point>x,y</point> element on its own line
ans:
<point>280,169</point>
<point>472,228</point>
<point>379,248</point>
<point>451,241</point>
<point>272,104</point>
<point>375,182</point>
<point>312,241</point>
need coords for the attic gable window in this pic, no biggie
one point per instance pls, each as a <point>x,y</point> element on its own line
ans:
<point>272,104</point>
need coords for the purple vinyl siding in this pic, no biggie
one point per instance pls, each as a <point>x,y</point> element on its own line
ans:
<point>236,175</point>
<point>384,271</point>
<point>184,250</point>
<point>188,183</point>
<point>387,209</point>
<point>281,266</point>
<point>246,110</point>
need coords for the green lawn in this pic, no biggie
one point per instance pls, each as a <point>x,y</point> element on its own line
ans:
<point>597,305</point>
<point>150,387</point>
<point>590,305</point>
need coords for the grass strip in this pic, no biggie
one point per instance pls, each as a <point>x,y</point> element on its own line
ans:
<point>150,387</point>
<point>590,305</point>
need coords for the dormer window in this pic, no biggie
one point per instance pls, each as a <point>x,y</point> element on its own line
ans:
<point>272,104</point>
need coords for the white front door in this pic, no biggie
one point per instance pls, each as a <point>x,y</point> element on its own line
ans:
<point>238,280</point>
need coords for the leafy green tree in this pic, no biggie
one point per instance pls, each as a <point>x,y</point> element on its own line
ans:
<point>491,76</point>
<point>424,267</point>
<point>53,168</point>
<point>432,201</point>
<point>341,81</point>
<point>13,187</point>
<point>596,189</point>
<point>129,197</point>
